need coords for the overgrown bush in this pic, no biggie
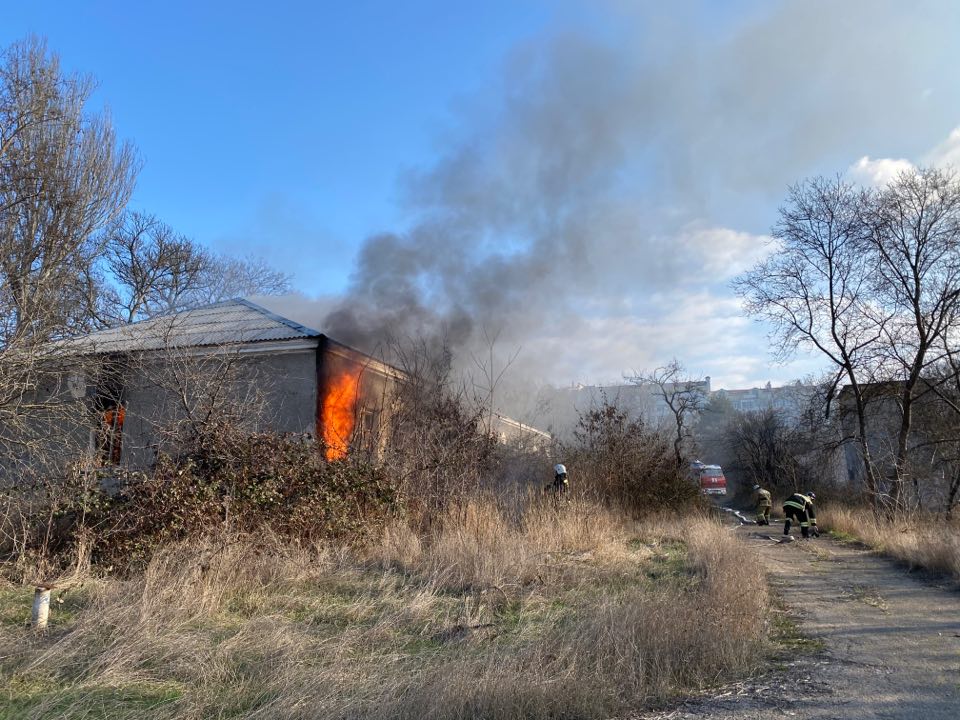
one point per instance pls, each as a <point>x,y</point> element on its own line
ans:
<point>437,447</point>
<point>230,482</point>
<point>246,483</point>
<point>624,461</point>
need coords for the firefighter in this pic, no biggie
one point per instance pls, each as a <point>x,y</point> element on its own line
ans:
<point>560,482</point>
<point>763,504</point>
<point>800,508</point>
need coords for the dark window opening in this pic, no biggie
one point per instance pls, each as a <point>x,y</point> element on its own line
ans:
<point>110,434</point>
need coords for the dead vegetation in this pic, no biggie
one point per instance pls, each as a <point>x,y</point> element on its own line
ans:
<point>928,542</point>
<point>570,611</point>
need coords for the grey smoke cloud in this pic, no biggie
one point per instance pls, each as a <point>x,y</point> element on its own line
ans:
<point>609,181</point>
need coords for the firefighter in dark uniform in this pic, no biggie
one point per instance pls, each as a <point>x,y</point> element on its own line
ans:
<point>800,508</point>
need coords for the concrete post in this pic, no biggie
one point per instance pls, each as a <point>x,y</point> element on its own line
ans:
<point>41,608</point>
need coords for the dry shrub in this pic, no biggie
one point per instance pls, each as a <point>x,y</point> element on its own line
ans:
<point>232,482</point>
<point>925,541</point>
<point>436,447</point>
<point>626,462</point>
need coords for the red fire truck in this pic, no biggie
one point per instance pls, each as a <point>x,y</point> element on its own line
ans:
<point>710,478</point>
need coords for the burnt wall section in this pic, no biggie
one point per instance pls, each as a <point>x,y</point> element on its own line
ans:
<point>356,393</point>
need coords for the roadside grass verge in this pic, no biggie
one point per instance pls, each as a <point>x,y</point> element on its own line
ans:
<point>926,542</point>
<point>565,612</point>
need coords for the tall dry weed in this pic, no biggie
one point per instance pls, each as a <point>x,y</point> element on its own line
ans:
<point>548,612</point>
<point>925,541</point>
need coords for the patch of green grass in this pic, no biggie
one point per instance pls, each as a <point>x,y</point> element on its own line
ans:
<point>16,606</point>
<point>20,690</point>
<point>23,694</point>
<point>843,537</point>
<point>670,563</point>
<point>787,634</point>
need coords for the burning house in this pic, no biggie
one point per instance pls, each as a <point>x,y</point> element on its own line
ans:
<point>266,372</point>
<point>132,392</point>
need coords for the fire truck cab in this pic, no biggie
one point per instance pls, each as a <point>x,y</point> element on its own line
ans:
<point>710,478</point>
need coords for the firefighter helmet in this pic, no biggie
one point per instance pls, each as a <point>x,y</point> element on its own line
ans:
<point>812,495</point>
<point>559,469</point>
<point>756,487</point>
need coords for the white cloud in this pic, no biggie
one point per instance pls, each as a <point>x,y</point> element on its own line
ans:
<point>879,172</point>
<point>946,153</point>
<point>720,253</point>
<point>705,330</point>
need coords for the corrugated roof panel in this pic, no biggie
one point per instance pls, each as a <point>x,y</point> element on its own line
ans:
<point>225,323</point>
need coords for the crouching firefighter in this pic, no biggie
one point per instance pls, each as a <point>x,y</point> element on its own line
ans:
<point>800,508</point>
<point>560,482</point>
<point>763,504</point>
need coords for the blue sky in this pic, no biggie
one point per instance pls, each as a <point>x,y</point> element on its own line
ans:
<point>275,128</point>
<point>585,176</point>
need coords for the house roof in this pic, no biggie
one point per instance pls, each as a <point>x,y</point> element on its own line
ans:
<point>230,322</point>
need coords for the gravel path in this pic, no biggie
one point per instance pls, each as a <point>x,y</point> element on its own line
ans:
<point>892,641</point>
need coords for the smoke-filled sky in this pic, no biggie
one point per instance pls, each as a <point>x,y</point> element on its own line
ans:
<point>581,180</point>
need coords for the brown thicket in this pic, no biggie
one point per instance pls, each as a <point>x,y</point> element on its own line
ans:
<point>623,461</point>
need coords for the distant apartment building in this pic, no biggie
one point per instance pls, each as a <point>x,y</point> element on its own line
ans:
<point>790,400</point>
<point>646,400</point>
<point>639,400</point>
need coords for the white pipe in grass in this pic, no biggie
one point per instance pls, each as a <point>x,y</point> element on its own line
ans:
<point>41,608</point>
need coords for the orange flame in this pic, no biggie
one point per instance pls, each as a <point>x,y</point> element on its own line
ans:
<point>340,413</point>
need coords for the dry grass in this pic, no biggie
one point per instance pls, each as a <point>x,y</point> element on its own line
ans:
<point>569,612</point>
<point>922,541</point>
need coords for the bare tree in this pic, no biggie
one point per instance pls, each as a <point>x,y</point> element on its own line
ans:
<point>229,277</point>
<point>768,450</point>
<point>914,232</point>
<point>438,445</point>
<point>935,442</point>
<point>187,396</point>
<point>683,395</point>
<point>64,177</point>
<point>151,269</point>
<point>818,292</point>
<point>490,377</point>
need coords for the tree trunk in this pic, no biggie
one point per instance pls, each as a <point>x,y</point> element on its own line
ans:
<point>952,491</point>
<point>677,444</point>
<point>869,475</point>
<point>903,438</point>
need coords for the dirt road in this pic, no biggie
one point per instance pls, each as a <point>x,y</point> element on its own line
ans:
<point>891,641</point>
